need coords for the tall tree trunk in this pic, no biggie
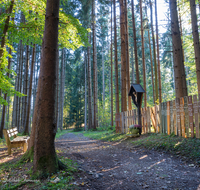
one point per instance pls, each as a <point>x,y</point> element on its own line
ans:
<point>62,88</point>
<point>158,55</point>
<point>135,44</point>
<point>3,117</point>
<point>95,82</point>
<point>45,158</point>
<point>111,70</point>
<point>85,114</point>
<point>154,55</point>
<point>90,117</point>
<point>196,40</point>
<point>26,85</point>
<point>103,77</point>
<point>123,57</point>
<point>26,130</point>
<point>143,57</point>
<point>152,75</point>
<point>133,70</point>
<point>116,62</point>
<point>57,91</point>
<point>127,55</point>
<point>177,52</point>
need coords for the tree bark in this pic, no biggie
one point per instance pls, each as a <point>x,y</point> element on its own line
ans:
<point>135,44</point>
<point>177,51</point>
<point>90,117</point>
<point>154,55</point>
<point>26,130</point>
<point>111,70</point>
<point>143,56</point>
<point>85,114</point>
<point>45,158</point>
<point>123,58</point>
<point>116,62</point>
<point>195,34</point>
<point>95,82</point>
<point>158,55</point>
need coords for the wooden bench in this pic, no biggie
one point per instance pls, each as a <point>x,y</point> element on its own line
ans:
<point>18,141</point>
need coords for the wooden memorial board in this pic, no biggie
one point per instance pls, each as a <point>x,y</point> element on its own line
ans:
<point>122,115</point>
<point>171,118</point>
<point>174,113</point>
<point>117,122</point>
<point>190,111</point>
<point>178,117</point>
<point>196,115</point>
<point>168,118</point>
<point>186,116</point>
<point>182,113</point>
<point>158,117</point>
<point>148,120</point>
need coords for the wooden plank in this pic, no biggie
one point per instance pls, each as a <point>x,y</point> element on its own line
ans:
<point>165,117</point>
<point>171,118</point>
<point>152,115</point>
<point>157,118</point>
<point>199,109</point>
<point>182,114</point>
<point>186,115</point>
<point>174,110</point>
<point>190,110</point>
<point>178,117</point>
<point>122,115</point>
<point>149,120</point>
<point>196,115</point>
<point>168,118</point>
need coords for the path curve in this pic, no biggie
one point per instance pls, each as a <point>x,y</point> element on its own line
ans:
<point>120,166</point>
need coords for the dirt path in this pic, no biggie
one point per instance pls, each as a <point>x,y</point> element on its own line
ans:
<point>120,166</point>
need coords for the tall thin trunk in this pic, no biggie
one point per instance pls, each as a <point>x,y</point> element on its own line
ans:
<point>133,70</point>
<point>103,77</point>
<point>111,70</point>
<point>196,40</point>
<point>154,54</point>
<point>62,88</point>
<point>135,44</point>
<point>57,91</point>
<point>152,75</point>
<point>116,61</point>
<point>95,82</point>
<point>177,51</point>
<point>123,58</point>
<point>143,57</point>
<point>158,54</point>
<point>127,55</point>
<point>26,130</point>
<point>90,117</point>
<point>3,117</point>
<point>85,114</point>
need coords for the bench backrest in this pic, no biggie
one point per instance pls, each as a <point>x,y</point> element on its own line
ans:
<point>10,133</point>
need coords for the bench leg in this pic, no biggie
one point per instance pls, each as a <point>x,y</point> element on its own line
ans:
<point>25,147</point>
<point>9,150</point>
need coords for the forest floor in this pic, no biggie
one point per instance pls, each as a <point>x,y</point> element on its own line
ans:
<point>120,165</point>
<point>103,165</point>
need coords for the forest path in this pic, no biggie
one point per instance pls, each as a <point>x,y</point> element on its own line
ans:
<point>120,166</point>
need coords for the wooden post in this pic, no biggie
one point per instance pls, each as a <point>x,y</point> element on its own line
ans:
<point>174,109</point>
<point>186,115</point>
<point>178,118</point>
<point>190,110</point>
<point>122,116</point>
<point>168,118</point>
<point>196,115</point>
<point>165,117</point>
<point>149,120</point>
<point>171,118</point>
<point>158,117</point>
<point>182,116</point>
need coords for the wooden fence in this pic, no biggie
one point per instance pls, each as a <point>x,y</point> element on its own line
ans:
<point>180,116</point>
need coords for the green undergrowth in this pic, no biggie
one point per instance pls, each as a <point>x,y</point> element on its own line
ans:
<point>104,134</point>
<point>14,175</point>
<point>188,148</point>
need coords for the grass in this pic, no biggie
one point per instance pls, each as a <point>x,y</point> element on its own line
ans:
<point>188,148</point>
<point>12,173</point>
<point>107,135</point>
